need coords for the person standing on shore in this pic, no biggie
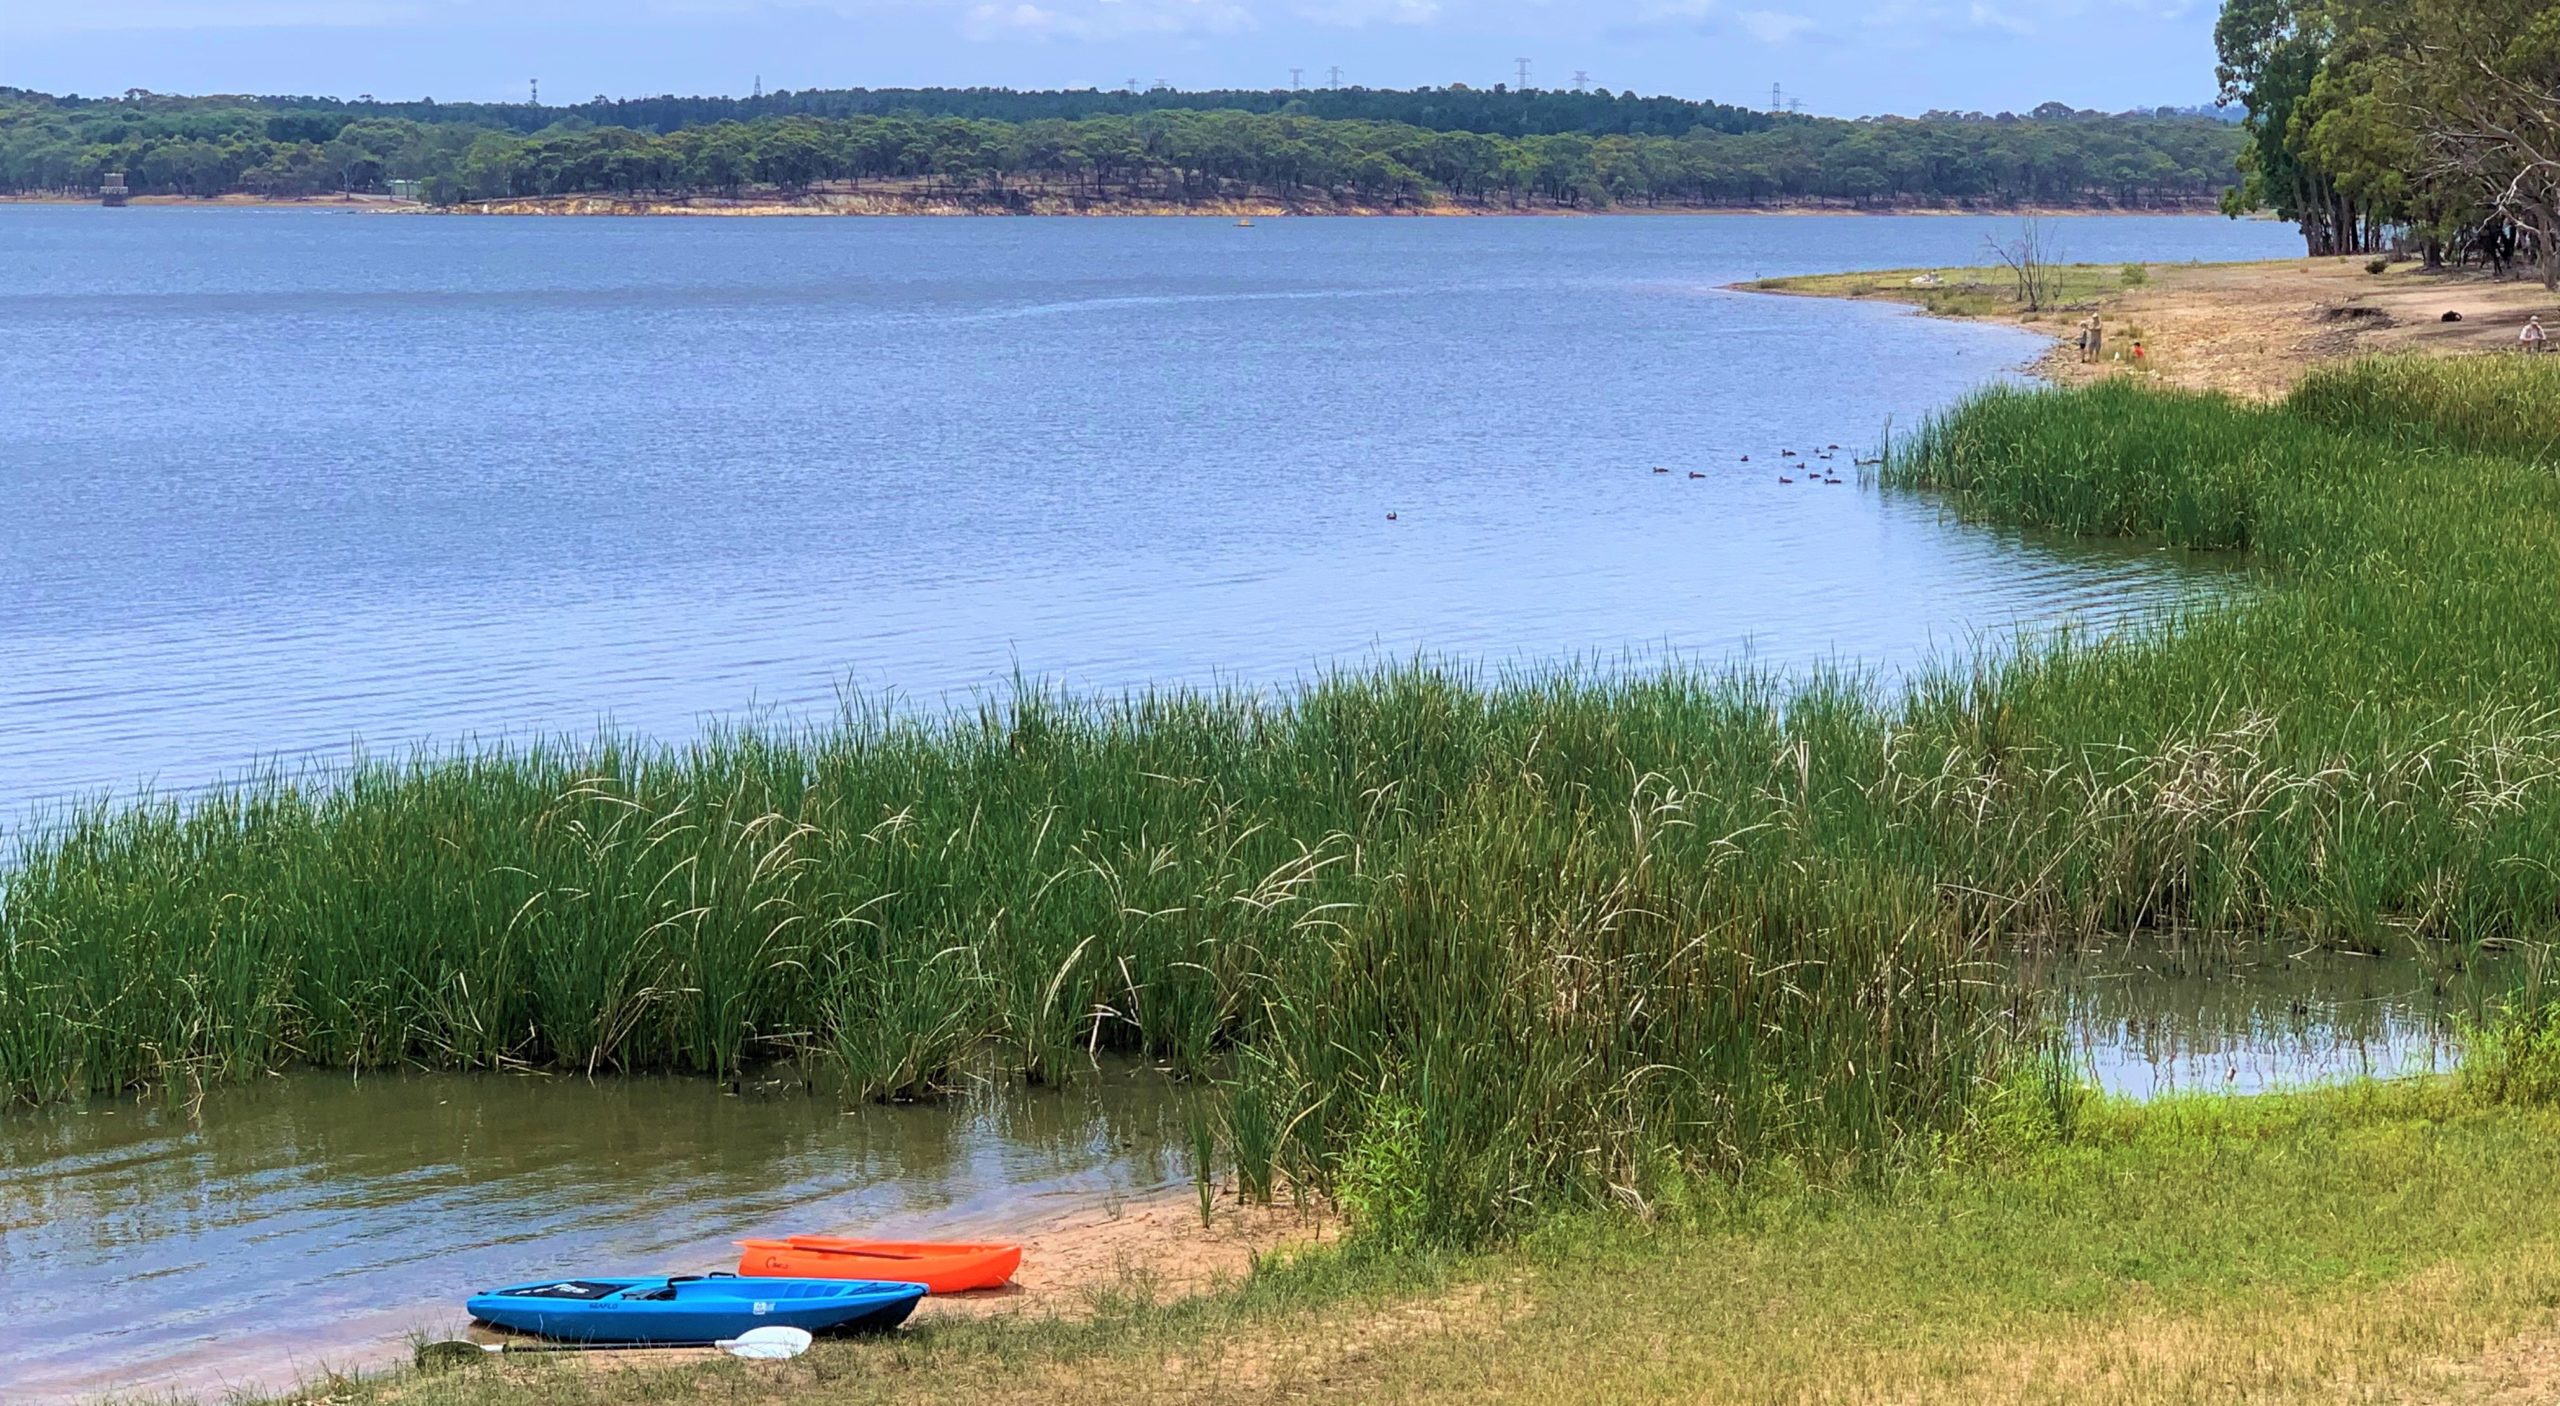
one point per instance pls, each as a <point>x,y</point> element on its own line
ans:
<point>2533,338</point>
<point>2097,339</point>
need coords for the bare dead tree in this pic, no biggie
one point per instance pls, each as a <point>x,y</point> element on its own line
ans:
<point>2029,257</point>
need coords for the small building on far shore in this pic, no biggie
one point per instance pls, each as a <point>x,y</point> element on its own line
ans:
<point>111,191</point>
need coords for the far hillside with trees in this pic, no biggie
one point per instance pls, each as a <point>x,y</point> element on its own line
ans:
<point>1492,148</point>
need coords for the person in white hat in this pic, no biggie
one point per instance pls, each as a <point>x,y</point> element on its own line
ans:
<point>2532,338</point>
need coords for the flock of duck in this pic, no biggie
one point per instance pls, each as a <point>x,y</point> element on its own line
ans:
<point>1811,474</point>
<point>1806,460</point>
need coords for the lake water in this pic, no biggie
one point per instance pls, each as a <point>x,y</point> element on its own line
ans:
<point>317,1221</point>
<point>277,482</point>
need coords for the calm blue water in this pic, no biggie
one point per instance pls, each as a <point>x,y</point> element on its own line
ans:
<point>274,483</point>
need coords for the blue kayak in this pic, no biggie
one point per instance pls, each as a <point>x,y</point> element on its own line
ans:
<point>692,1308</point>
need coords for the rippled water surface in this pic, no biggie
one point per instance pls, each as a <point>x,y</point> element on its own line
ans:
<point>316,1221</point>
<point>273,483</point>
<point>277,482</point>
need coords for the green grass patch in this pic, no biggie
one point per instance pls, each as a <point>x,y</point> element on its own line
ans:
<point>1967,292</point>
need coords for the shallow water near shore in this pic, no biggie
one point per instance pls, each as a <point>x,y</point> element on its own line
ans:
<point>2149,1019</point>
<point>281,482</point>
<point>315,1220</point>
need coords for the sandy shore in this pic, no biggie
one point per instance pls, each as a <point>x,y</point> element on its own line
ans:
<point>2246,329</point>
<point>1075,1261</point>
<point>1156,1247</point>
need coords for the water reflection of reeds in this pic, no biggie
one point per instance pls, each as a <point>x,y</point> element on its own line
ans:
<point>2148,1017</point>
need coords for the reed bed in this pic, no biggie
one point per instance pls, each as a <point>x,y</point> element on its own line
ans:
<point>2498,404</point>
<point>1462,947</point>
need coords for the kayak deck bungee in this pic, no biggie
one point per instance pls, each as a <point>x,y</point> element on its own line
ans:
<point>941,1267</point>
<point>690,1308</point>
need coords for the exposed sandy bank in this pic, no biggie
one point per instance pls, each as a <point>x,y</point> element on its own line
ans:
<point>2248,329</point>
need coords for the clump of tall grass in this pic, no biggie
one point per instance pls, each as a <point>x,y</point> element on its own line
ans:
<point>2494,404</point>
<point>1460,897</point>
<point>2511,1051</point>
<point>1502,943</point>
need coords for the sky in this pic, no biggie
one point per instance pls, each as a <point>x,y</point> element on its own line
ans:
<point>1844,58</point>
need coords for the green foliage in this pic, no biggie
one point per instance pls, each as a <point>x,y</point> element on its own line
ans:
<point>2134,276</point>
<point>1574,150</point>
<point>2434,118</point>
<point>2515,1058</point>
<point>1381,1185</point>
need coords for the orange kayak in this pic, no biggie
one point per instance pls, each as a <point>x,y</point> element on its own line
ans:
<point>940,1268</point>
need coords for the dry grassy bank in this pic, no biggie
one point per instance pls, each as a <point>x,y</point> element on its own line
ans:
<point>2250,329</point>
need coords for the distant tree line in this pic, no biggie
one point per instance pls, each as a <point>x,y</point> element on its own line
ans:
<point>2437,121</point>
<point>1172,146</point>
<point>1496,111</point>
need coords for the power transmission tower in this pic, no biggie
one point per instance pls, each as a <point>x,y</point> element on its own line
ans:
<point>536,85</point>
<point>1333,76</point>
<point>759,85</point>
<point>1581,80</point>
<point>1776,103</point>
<point>1524,74</point>
<point>1294,84</point>
<point>1159,86</point>
<point>1129,83</point>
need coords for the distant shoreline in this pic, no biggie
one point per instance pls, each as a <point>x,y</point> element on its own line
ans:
<point>233,202</point>
<point>2245,329</point>
<point>858,204</point>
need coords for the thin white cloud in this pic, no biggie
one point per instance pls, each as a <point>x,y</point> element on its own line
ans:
<point>1102,19</point>
<point>90,16</point>
<point>1772,26</point>
<point>1983,16</point>
<point>1360,14</point>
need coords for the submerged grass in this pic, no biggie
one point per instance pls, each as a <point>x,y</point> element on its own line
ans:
<point>1467,949</point>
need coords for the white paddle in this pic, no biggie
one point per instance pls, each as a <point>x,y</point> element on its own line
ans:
<point>756,1344</point>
